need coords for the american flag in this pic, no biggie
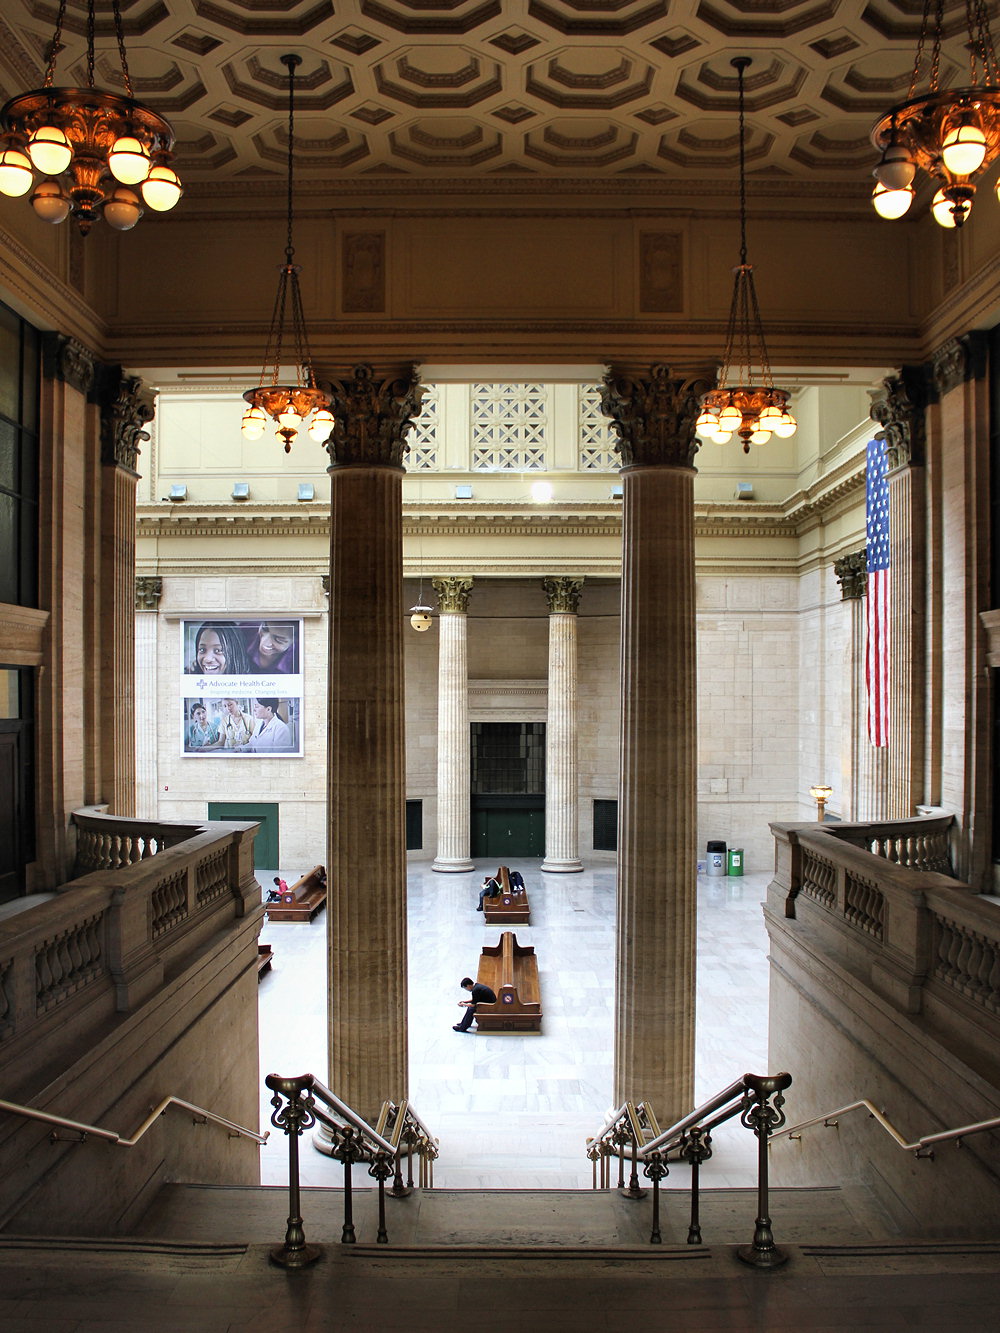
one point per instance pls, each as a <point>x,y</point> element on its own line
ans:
<point>877,612</point>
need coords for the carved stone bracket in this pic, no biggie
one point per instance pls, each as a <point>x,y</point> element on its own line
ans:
<point>563,595</point>
<point>372,418</point>
<point>452,594</point>
<point>126,406</point>
<point>66,360</point>
<point>852,574</point>
<point>654,418</point>
<point>959,360</point>
<point>898,407</point>
<point>148,592</point>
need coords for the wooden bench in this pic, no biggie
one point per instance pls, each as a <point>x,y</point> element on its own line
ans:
<point>511,972</point>
<point>304,899</point>
<point>510,907</point>
<point>265,954</point>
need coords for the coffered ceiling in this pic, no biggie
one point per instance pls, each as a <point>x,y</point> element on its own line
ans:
<point>494,88</point>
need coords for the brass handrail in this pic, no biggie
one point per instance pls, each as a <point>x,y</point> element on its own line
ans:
<point>920,1147</point>
<point>108,1135</point>
<point>734,1093</point>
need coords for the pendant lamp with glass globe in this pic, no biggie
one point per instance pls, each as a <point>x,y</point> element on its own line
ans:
<point>290,406</point>
<point>84,152</point>
<point>953,134</point>
<point>738,406</point>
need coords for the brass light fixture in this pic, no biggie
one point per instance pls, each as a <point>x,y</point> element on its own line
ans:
<point>290,405</point>
<point>753,412</point>
<point>97,154</point>
<point>821,793</point>
<point>951,133</point>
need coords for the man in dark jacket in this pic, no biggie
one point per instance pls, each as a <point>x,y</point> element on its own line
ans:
<point>480,995</point>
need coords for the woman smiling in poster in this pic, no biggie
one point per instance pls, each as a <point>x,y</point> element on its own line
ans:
<point>219,651</point>
<point>235,726</point>
<point>273,650</point>
<point>271,732</point>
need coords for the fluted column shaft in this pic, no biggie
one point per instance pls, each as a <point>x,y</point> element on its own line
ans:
<point>657,835</point>
<point>865,771</point>
<point>366,856</point>
<point>453,758</point>
<point>562,797</point>
<point>906,653</point>
<point>146,714</point>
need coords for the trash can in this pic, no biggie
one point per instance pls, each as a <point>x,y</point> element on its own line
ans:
<point>716,855</point>
<point>735,861</point>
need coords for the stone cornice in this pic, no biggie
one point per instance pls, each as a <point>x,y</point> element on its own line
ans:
<point>27,277</point>
<point>22,630</point>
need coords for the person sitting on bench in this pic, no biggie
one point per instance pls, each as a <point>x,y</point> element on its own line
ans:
<point>480,995</point>
<point>490,889</point>
<point>516,880</point>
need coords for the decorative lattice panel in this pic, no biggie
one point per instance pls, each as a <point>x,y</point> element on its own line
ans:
<point>424,438</point>
<point>597,439</point>
<point>509,427</point>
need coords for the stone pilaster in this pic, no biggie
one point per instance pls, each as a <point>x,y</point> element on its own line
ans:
<point>453,763</point>
<point>366,851</point>
<point>864,775</point>
<point>562,797</point>
<point>899,408</point>
<point>657,837</point>
<point>148,592</point>
<point>126,407</point>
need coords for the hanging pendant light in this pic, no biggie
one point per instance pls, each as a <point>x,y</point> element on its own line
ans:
<point>953,134</point>
<point>97,154</point>
<point>291,406</point>
<point>753,412</point>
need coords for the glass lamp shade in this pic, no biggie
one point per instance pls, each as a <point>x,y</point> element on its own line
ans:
<point>49,202</point>
<point>253,423</point>
<point>721,436</point>
<point>769,417</point>
<point>730,419</point>
<point>421,618</point>
<point>161,189</point>
<point>896,169</point>
<point>129,160</point>
<point>786,426</point>
<point>707,423</point>
<point>15,172</point>
<point>964,149</point>
<point>941,208</point>
<point>760,437</point>
<point>321,425</point>
<point>122,209</point>
<point>49,150</point>
<point>891,204</point>
<point>289,419</point>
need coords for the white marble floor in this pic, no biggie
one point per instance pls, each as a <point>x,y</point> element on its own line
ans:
<point>514,1110</point>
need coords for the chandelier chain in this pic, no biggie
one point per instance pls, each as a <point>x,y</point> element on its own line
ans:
<point>291,64</point>
<point>120,34</point>
<point>91,30</point>
<point>55,46</point>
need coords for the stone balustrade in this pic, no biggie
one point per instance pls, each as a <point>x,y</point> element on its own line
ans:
<point>108,939</point>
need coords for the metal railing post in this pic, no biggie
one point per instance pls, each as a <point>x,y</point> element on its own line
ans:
<point>697,1149</point>
<point>656,1169</point>
<point>293,1117</point>
<point>347,1236</point>
<point>763,1117</point>
<point>381,1168</point>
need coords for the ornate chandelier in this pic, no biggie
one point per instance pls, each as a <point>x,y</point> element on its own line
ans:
<point>98,154</point>
<point>953,134</point>
<point>753,412</point>
<point>288,404</point>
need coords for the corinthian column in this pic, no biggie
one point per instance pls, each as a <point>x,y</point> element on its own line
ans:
<point>126,406</point>
<point>453,768</point>
<point>366,849</point>
<point>657,867</point>
<point>562,820</point>
<point>899,409</point>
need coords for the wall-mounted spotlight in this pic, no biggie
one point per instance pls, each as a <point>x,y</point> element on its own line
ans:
<point>241,490</point>
<point>179,492</point>
<point>307,491</point>
<point>463,492</point>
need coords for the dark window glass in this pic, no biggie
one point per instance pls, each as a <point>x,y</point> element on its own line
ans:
<point>9,549</point>
<point>10,364</point>
<point>508,757</point>
<point>9,451</point>
<point>19,396</point>
<point>605,826</point>
<point>414,825</point>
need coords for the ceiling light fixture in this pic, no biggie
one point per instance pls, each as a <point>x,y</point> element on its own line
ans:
<point>753,412</point>
<point>97,153</point>
<point>953,134</point>
<point>290,405</point>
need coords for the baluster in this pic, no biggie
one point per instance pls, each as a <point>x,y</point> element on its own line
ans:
<point>75,952</point>
<point>347,1236</point>
<point>962,963</point>
<point>954,943</point>
<point>763,1117</point>
<point>976,954</point>
<point>656,1169</point>
<point>992,997</point>
<point>697,1149</point>
<point>381,1168</point>
<point>295,1116</point>
<point>44,980</point>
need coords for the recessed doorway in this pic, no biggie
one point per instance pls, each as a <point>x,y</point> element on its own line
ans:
<point>265,847</point>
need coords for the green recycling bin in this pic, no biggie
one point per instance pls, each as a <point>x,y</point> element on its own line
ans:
<point>734,861</point>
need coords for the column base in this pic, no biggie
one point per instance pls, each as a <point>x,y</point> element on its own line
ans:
<point>561,867</point>
<point>452,865</point>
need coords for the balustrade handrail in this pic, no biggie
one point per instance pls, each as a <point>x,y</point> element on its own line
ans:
<point>110,1136</point>
<point>404,1115</point>
<point>735,1092</point>
<point>919,1147</point>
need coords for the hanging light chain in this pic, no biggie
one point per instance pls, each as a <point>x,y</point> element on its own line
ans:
<point>55,46</point>
<point>120,34</point>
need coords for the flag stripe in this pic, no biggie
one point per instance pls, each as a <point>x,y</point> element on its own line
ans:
<point>877,600</point>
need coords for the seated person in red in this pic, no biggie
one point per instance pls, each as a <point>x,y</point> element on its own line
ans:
<point>480,995</point>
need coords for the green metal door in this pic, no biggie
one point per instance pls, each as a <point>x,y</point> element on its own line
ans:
<point>265,846</point>
<point>501,833</point>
